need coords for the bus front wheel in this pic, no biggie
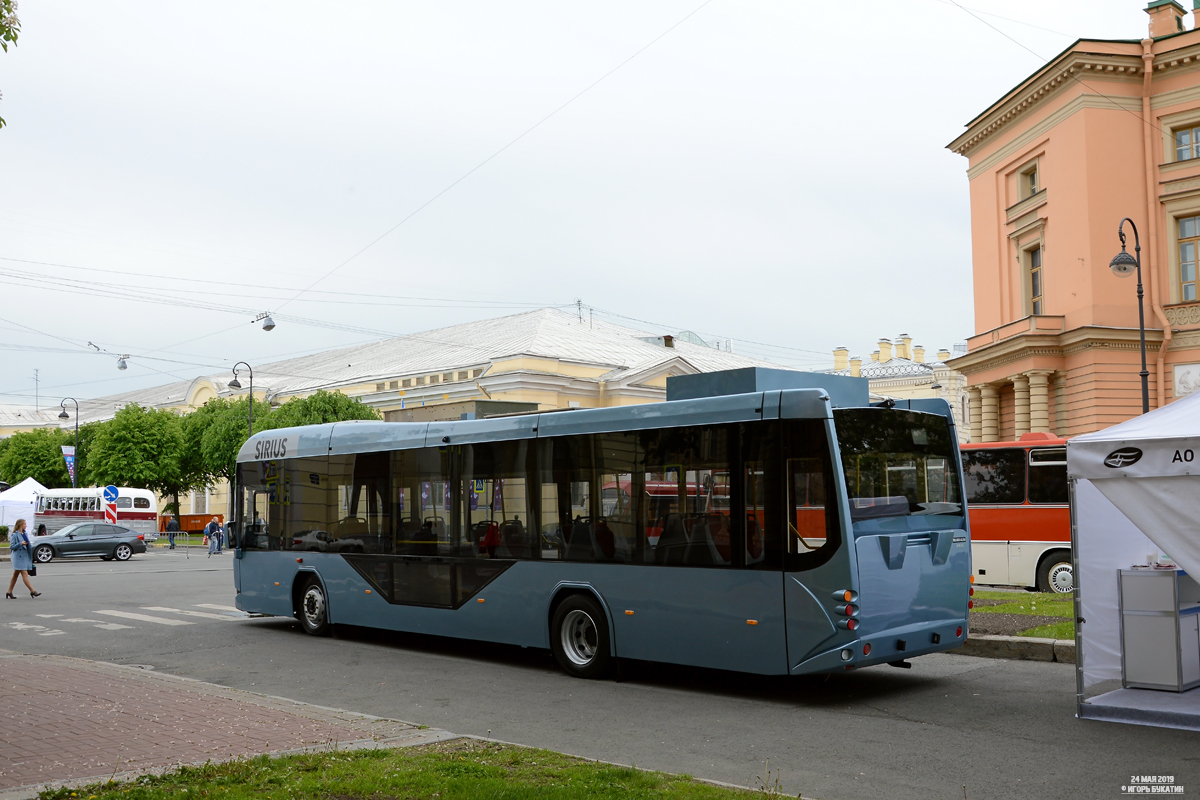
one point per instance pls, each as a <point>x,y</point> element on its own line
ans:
<point>314,608</point>
<point>1056,573</point>
<point>579,637</point>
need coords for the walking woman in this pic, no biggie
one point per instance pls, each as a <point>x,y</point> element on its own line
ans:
<point>22,559</point>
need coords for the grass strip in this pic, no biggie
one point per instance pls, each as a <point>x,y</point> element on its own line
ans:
<point>460,769</point>
<point>1041,604</point>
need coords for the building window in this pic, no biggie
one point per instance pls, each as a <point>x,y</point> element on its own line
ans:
<point>1189,241</point>
<point>420,381</point>
<point>394,385</point>
<point>447,376</point>
<point>1028,182</point>
<point>407,383</point>
<point>1187,144</point>
<point>462,376</point>
<point>476,373</point>
<point>1035,280</point>
<point>379,387</point>
<point>433,379</point>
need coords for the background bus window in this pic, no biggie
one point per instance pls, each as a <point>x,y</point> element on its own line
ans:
<point>1048,475</point>
<point>895,463</point>
<point>814,534</point>
<point>994,476</point>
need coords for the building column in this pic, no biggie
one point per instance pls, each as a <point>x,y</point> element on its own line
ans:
<point>1060,403</point>
<point>989,406</point>
<point>975,413</point>
<point>1039,401</point>
<point>1020,405</point>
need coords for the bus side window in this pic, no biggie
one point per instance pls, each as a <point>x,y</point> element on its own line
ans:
<point>813,531</point>
<point>995,476</point>
<point>1048,475</point>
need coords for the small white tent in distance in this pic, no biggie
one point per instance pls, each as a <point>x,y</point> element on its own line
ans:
<point>1135,492</point>
<point>19,502</point>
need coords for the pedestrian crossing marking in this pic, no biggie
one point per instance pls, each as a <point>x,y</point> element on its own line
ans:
<point>216,607</point>
<point>41,629</point>
<point>142,617</point>
<point>49,616</point>
<point>202,614</point>
<point>112,626</point>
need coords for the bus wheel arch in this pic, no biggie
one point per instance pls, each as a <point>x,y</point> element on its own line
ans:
<point>581,631</point>
<point>1055,572</point>
<point>310,603</point>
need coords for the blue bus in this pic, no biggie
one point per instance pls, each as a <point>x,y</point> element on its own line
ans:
<point>770,532</point>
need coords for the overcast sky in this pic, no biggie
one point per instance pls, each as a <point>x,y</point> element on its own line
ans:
<point>770,173</point>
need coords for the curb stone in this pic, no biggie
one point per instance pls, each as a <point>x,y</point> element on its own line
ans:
<point>1021,648</point>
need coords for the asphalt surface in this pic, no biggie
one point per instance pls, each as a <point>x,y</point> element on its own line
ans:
<point>1002,729</point>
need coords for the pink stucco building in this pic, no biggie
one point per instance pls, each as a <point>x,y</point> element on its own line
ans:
<point>1105,130</point>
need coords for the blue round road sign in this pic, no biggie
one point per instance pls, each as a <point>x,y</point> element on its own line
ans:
<point>110,494</point>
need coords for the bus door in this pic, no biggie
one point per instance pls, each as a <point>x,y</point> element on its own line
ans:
<point>907,517</point>
<point>815,563</point>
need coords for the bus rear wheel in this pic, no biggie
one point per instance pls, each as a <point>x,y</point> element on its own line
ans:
<point>579,637</point>
<point>1056,574</point>
<point>314,608</point>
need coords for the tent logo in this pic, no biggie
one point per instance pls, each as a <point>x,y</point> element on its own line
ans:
<point>1123,457</point>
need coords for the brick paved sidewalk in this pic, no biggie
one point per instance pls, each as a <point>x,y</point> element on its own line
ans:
<point>80,720</point>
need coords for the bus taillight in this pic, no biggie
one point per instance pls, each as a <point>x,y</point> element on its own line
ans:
<point>846,595</point>
<point>849,610</point>
<point>848,624</point>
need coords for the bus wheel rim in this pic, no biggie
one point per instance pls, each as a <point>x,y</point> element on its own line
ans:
<point>1062,580</point>
<point>314,606</point>
<point>579,638</point>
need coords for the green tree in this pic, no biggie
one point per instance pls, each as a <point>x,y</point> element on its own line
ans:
<point>223,429</point>
<point>10,28</point>
<point>140,448</point>
<point>320,408</point>
<point>36,454</point>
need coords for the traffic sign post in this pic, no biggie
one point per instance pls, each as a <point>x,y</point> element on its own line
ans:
<point>110,505</point>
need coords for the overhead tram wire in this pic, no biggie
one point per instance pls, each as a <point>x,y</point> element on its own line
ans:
<point>1070,75</point>
<point>483,163</point>
<point>458,301</point>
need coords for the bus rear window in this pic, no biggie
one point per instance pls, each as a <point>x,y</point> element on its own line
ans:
<point>897,463</point>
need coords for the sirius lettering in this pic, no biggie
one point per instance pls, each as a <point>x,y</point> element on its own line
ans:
<point>270,448</point>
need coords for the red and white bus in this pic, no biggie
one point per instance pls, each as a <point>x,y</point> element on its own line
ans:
<point>137,509</point>
<point>1020,518</point>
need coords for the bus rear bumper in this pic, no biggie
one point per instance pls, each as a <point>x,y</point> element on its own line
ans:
<point>883,647</point>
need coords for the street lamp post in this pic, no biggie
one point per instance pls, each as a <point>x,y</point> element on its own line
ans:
<point>64,415</point>
<point>1123,265</point>
<point>236,384</point>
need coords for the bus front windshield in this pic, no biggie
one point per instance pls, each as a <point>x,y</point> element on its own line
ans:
<point>897,463</point>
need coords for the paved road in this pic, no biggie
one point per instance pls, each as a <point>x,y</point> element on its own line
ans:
<point>1004,729</point>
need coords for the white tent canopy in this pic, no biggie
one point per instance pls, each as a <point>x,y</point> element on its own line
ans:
<point>1136,492</point>
<point>19,502</point>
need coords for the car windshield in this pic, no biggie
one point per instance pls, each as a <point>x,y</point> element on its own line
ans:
<point>897,463</point>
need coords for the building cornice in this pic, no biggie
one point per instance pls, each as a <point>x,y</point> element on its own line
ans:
<point>1052,345</point>
<point>1069,69</point>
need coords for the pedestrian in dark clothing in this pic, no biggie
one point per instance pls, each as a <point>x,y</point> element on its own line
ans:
<point>212,532</point>
<point>172,529</point>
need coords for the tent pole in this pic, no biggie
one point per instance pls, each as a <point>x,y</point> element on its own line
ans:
<point>1076,603</point>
